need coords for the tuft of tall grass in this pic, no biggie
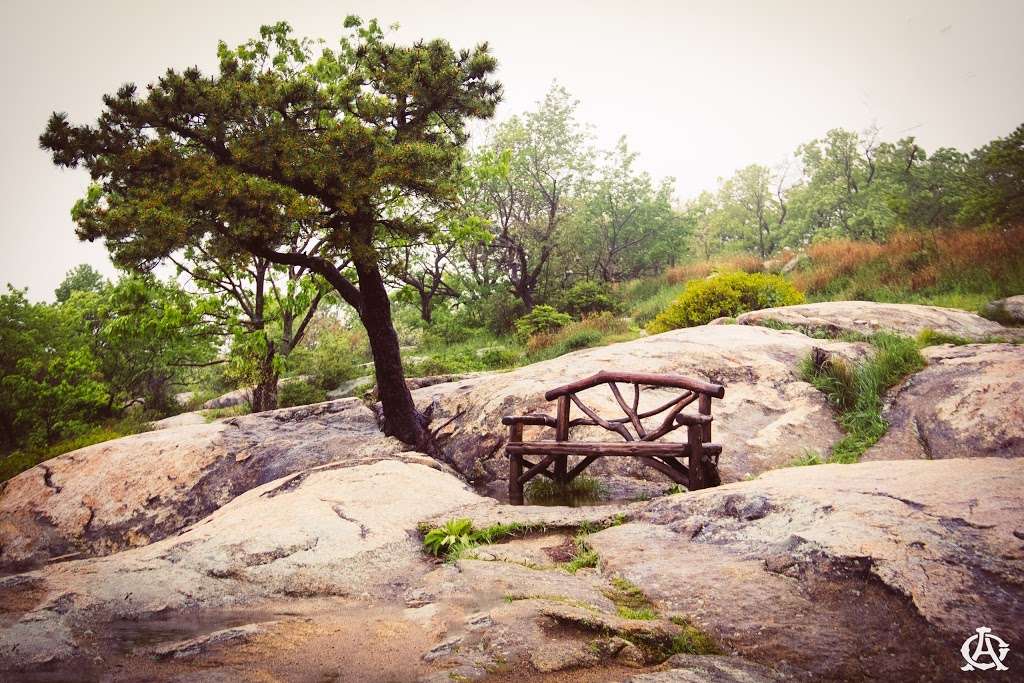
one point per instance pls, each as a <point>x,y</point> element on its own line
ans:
<point>856,391</point>
<point>582,490</point>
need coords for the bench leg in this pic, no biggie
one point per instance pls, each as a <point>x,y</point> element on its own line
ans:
<point>562,470</point>
<point>515,467</point>
<point>515,487</point>
<point>695,440</point>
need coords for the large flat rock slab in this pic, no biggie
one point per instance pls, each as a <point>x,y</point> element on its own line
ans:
<point>767,418</point>
<point>329,531</point>
<point>968,402</point>
<point>867,317</point>
<point>840,570</point>
<point>142,488</point>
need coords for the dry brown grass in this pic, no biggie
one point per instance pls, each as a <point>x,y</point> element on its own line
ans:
<point>701,269</point>
<point>919,261</point>
<point>832,260</point>
<point>589,331</point>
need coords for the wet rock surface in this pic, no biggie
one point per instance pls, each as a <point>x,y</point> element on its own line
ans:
<point>830,571</point>
<point>968,402</point>
<point>810,566</point>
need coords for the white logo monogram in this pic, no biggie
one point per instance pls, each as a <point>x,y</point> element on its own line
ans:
<point>984,645</point>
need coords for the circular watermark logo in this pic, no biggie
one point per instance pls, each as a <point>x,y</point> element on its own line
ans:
<point>984,650</point>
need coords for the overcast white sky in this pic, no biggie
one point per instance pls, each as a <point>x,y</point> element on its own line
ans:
<point>699,88</point>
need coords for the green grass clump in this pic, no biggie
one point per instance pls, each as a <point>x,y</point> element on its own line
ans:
<point>856,391</point>
<point>808,458</point>
<point>231,411</point>
<point>929,337</point>
<point>580,491</point>
<point>585,558</point>
<point>692,641</point>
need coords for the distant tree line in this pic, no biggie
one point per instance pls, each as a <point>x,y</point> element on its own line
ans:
<point>854,186</point>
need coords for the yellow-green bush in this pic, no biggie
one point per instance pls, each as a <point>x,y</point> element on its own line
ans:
<point>727,294</point>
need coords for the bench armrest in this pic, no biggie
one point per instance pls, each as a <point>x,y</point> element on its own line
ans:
<point>690,420</point>
<point>541,420</point>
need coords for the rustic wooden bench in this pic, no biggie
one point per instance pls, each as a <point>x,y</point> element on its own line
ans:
<point>699,471</point>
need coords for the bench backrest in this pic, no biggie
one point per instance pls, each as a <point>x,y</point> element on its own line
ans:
<point>693,390</point>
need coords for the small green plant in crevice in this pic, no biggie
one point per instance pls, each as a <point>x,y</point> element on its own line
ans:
<point>582,490</point>
<point>929,337</point>
<point>584,556</point>
<point>674,489</point>
<point>691,640</point>
<point>629,600</point>
<point>450,539</point>
<point>856,390</point>
<point>809,457</point>
<point>639,614</point>
<point>456,537</point>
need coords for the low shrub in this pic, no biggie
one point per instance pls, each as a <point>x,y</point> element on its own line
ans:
<point>499,357</point>
<point>541,319</point>
<point>330,353</point>
<point>725,295</point>
<point>587,297</point>
<point>299,393</point>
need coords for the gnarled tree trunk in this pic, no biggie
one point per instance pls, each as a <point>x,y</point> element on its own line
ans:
<point>401,418</point>
<point>264,394</point>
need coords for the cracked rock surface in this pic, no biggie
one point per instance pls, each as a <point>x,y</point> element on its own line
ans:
<point>832,572</point>
<point>142,488</point>
<point>840,570</point>
<point>968,402</point>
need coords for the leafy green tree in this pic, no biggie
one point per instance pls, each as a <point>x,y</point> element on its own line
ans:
<point>334,152</point>
<point>842,195</point>
<point>627,226</point>
<point>935,193</point>
<point>702,222</point>
<point>751,210</point>
<point>144,337</point>
<point>266,307</point>
<point>50,384</point>
<point>81,278</point>
<point>528,177</point>
<point>995,182</point>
